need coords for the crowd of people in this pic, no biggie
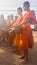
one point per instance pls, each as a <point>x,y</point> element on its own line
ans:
<point>18,31</point>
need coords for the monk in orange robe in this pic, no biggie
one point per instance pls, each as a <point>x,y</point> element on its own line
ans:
<point>27,40</point>
<point>19,20</point>
<point>10,22</point>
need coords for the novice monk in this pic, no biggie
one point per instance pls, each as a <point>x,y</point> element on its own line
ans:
<point>16,17</point>
<point>19,20</point>
<point>27,40</point>
<point>10,22</point>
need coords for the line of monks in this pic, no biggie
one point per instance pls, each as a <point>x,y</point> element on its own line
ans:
<point>18,31</point>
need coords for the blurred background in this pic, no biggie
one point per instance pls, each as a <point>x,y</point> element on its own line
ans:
<point>8,7</point>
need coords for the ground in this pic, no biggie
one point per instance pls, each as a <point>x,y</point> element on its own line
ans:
<point>9,58</point>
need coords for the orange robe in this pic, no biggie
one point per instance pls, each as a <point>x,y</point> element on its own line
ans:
<point>9,35</point>
<point>30,14</point>
<point>27,40</point>
<point>9,23</point>
<point>17,37</point>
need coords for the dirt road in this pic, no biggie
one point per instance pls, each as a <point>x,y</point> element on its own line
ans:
<point>9,58</point>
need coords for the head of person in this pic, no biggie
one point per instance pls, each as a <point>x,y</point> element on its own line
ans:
<point>8,17</point>
<point>11,16</point>
<point>19,11</point>
<point>16,17</point>
<point>2,17</point>
<point>26,6</point>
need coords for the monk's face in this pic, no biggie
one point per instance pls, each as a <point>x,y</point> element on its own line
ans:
<point>19,12</point>
<point>25,8</point>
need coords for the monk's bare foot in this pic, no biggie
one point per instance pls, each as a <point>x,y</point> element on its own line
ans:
<point>27,60</point>
<point>22,57</point>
